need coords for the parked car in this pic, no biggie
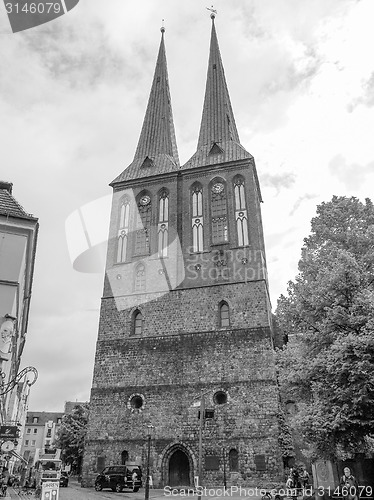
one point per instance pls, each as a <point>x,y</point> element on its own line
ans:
<point>119,477</point>
<point>64,479</point>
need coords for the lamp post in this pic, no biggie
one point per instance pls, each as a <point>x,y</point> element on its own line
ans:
<point>201,426</point>
<point>149,435</point>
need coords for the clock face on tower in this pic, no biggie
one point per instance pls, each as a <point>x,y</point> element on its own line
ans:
<point>144,200</point>
<point>218,187</point>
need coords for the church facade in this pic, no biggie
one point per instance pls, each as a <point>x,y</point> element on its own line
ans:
<point>185,324</point>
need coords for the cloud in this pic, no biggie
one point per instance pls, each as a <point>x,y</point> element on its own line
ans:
<point>367,98</point>
<point>72,99</point>
<point>352,175</point>
<point>300,200</point>
<point>278,181</point>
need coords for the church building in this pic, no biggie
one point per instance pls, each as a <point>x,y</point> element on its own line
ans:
<point>185,324</point>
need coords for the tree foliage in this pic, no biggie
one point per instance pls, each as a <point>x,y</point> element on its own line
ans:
<point>72,435</point>
<point>328,314</point>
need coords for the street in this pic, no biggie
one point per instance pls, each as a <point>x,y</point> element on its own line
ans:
<point>75,492</point>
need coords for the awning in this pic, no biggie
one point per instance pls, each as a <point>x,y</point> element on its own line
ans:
<point>17,455</point>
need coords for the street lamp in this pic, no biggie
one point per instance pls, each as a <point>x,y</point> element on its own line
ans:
<point>149,435</point>
<point>224,469</point>
<point>201,426</point>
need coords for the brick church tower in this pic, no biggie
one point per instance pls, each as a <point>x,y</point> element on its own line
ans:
<point>185,315</point>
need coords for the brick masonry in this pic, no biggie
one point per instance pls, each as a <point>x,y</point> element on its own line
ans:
<point>182,350</point>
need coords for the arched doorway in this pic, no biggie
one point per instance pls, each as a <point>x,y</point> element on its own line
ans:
<point>179,469</point>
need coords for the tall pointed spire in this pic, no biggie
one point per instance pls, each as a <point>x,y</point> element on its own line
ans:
<point>218,139</point>
<point>157,148</point>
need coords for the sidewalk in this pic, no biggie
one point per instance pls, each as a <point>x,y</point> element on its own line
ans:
<point>211,493</point>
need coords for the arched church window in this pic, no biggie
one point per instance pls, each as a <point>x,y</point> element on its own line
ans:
<point>241,217</point>
<point>138,323</point>
<point>143,225</point>
<point>123,230</point>
<point>197,218</point>
<point>224,314</point>
<point>219,212</point>
<point>163,223</point>
<point>234,460</point>
<point>139,285</point>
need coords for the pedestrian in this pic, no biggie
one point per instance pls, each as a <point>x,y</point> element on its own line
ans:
<point>3,485</point>
<point>134,477</point>
<point>304,478</point>
<point>290,485</point>
<point>349,485</point>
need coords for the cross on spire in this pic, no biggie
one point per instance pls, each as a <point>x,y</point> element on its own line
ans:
<point>213,12</point>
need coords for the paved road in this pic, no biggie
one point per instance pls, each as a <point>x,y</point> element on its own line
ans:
<point>75,492</point>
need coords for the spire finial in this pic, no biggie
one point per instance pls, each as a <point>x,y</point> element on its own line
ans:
<point>162,29</point>
<point>213,13</point>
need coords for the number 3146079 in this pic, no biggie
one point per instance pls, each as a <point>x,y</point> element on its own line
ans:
<point>33,8</point>
<point>346,491</point>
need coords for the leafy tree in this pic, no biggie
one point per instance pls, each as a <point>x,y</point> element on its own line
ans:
<point>72,434</point>
<point>328,315</point>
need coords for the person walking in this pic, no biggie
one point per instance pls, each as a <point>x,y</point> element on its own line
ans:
<point>349,485</point>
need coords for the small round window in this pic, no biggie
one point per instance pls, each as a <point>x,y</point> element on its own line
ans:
<point>136,402</point>
<point>220,398</point>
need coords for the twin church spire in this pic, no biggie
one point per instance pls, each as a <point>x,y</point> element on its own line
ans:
<point>218,141</point>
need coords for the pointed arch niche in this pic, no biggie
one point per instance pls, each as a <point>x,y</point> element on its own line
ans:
<point>143,226</point>
<point>218,211</point>
<point>178,465</point>
<point>223,314</point>
<point>137,323</point>
<point>197,219</point>
<point>241,217</point>
<point>163,222</point>
<point>123,229</point>
<point>139,277</point>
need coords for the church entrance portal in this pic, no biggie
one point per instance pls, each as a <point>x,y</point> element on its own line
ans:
<point>179,469</point>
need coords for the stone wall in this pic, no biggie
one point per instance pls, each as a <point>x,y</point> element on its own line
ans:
<point>169,373</point>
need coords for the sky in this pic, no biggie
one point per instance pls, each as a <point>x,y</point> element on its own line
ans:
<point>73,94</point>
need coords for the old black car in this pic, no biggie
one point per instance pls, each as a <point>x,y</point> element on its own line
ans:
<point>119,477</point>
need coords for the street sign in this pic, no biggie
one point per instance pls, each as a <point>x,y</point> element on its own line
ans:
<point>50,490</point>
<point>9,432</point>
<point>7,446</point>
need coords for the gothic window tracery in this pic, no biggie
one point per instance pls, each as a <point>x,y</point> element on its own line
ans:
<point>241,217</point>
<point>163,223</point>
<point>123,231</point>
<point>139,285</point>
<point>219,213</point>
<point>197,218</point>
<point>143,226</point>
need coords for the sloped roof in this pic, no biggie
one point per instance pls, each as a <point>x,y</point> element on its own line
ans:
<point>9,206</point>
<point>156,152</point>
<point>218,123</point>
